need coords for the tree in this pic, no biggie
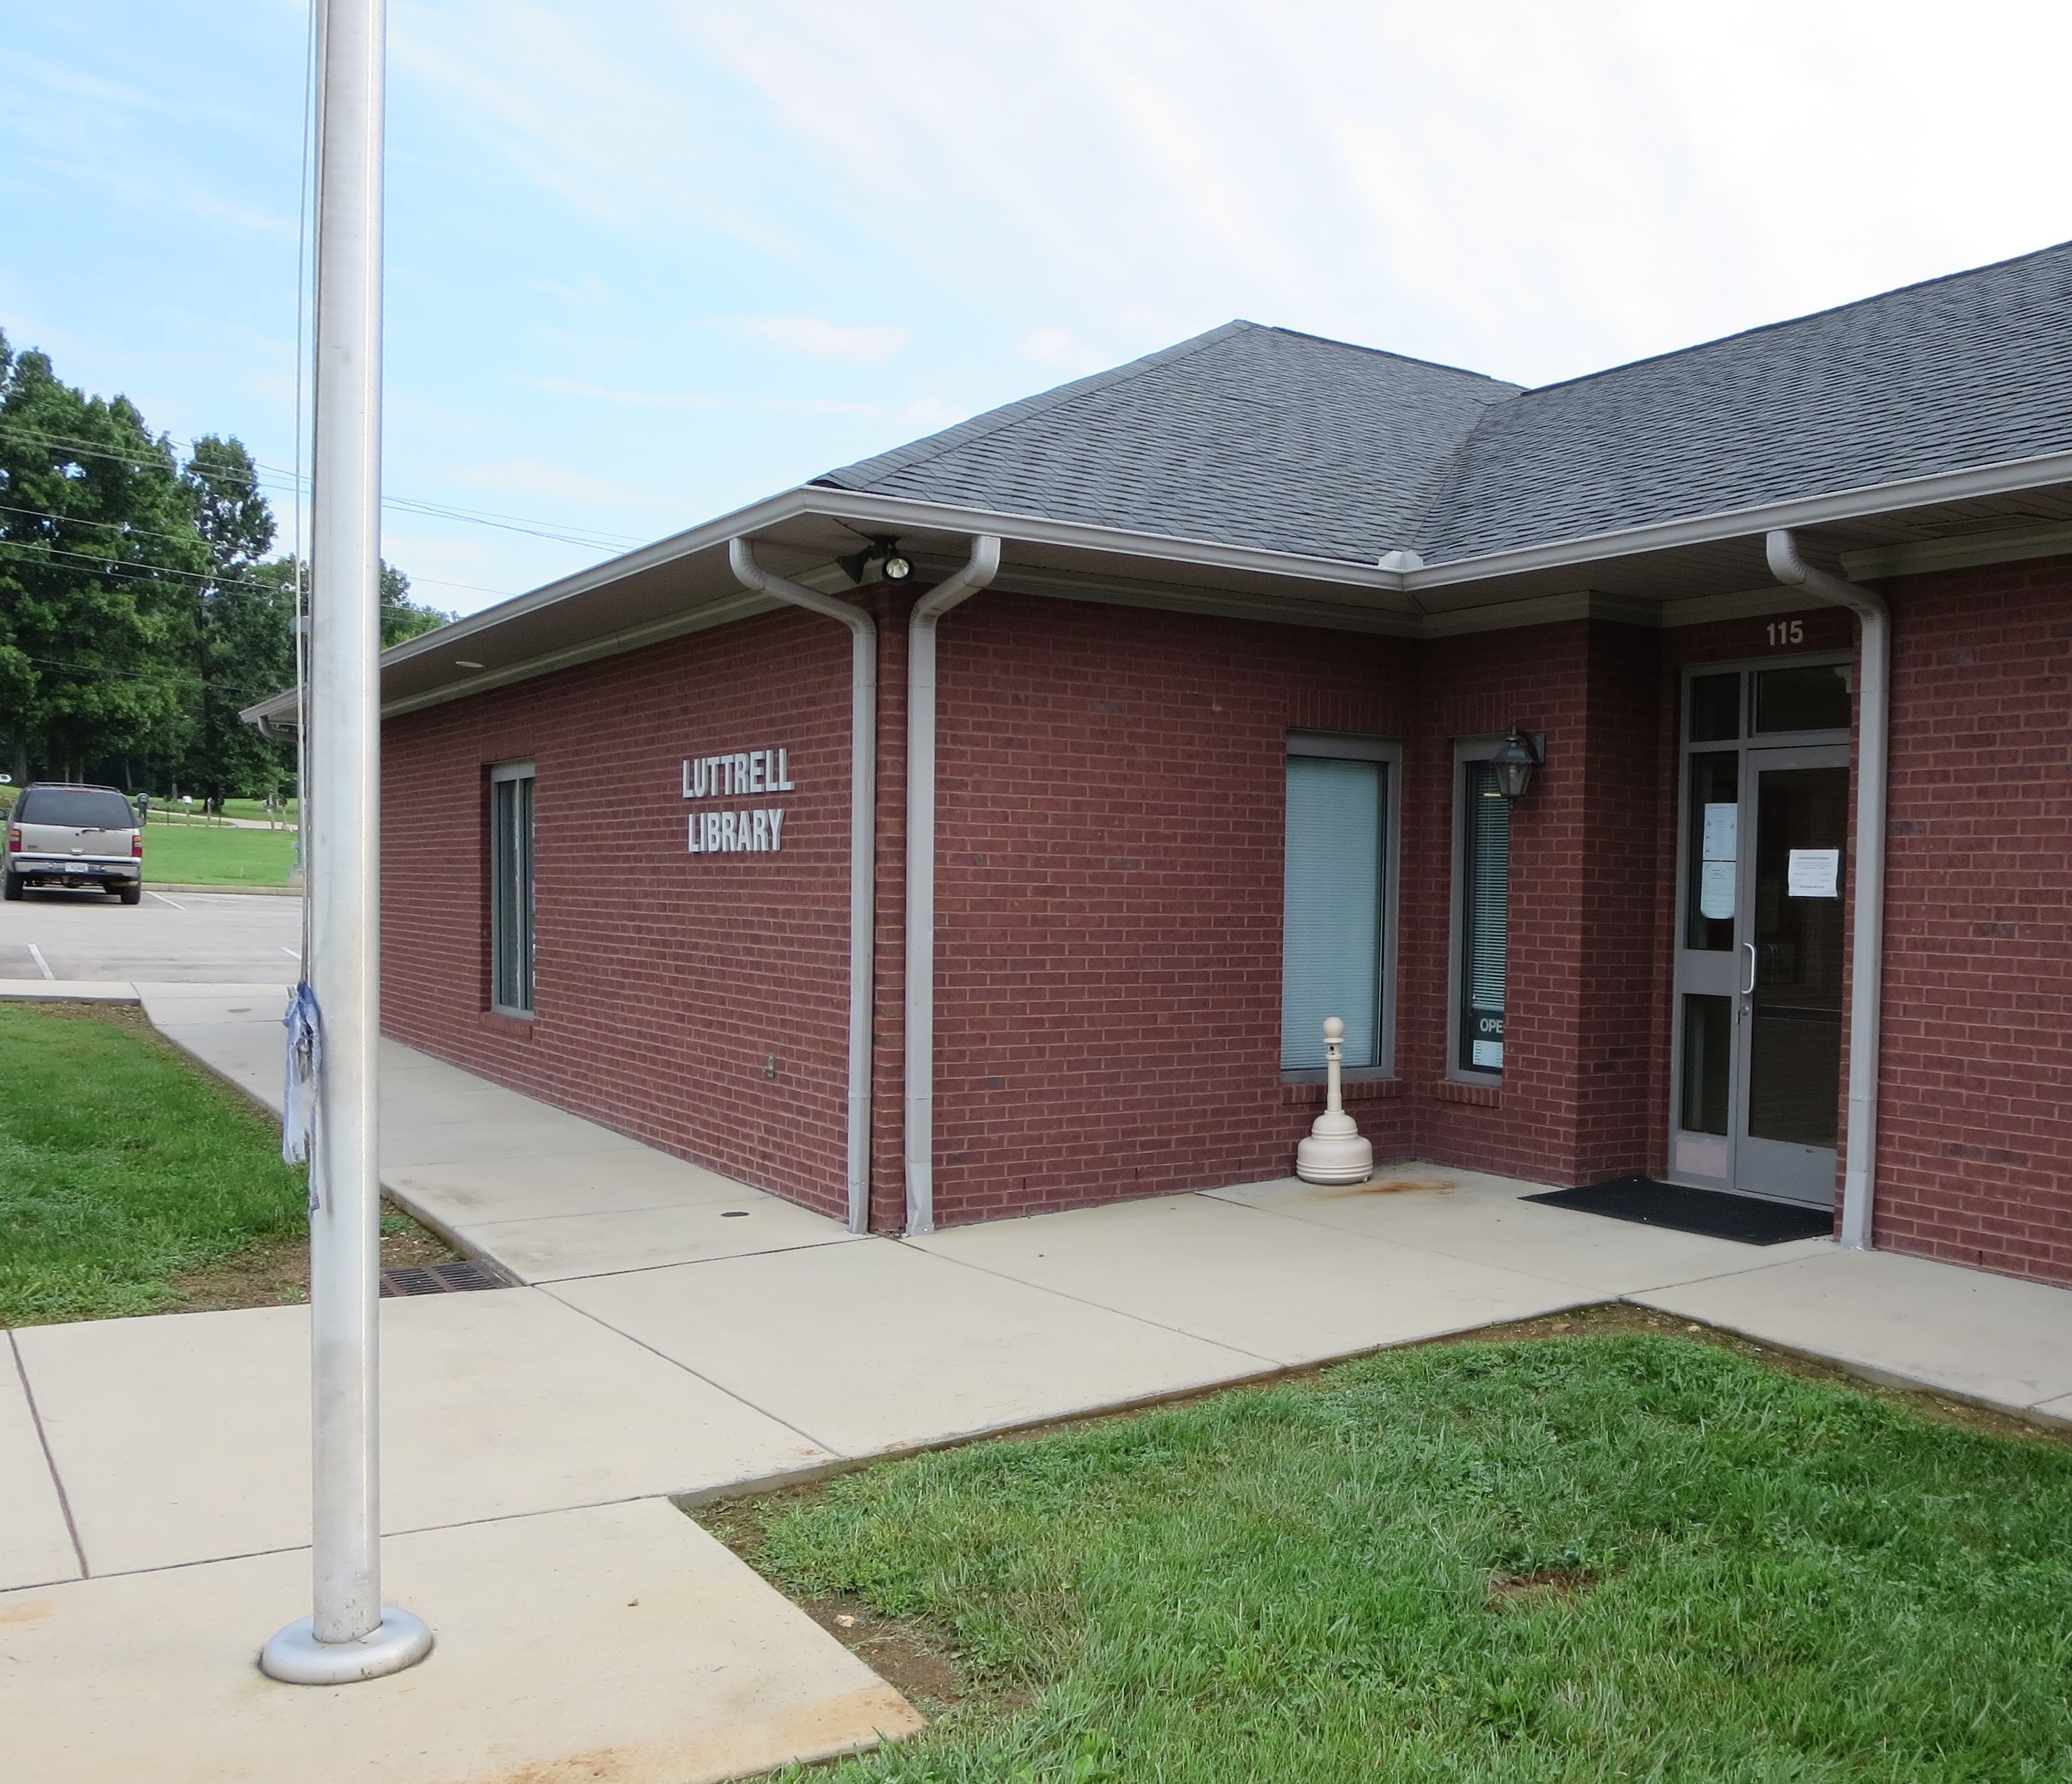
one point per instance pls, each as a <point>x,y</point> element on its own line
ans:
<point>243,635</point>
<point>401,617</point>
<point>98,558</point>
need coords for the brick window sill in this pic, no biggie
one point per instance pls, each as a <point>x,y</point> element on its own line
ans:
<point>1481,1097</point>
<point>514,1027</point>
<point>1359,1089</point>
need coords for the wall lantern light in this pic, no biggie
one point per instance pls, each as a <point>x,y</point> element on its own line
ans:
<point>1515,761</point>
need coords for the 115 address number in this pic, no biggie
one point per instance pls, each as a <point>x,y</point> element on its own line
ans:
<point>1787,631</point>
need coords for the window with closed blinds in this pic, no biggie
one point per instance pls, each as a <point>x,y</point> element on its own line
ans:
<point>1485,901</point>
<point>511,889</point>
<point>1331,922</point>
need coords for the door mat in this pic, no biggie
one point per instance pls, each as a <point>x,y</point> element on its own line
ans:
<point>1713,1213</point>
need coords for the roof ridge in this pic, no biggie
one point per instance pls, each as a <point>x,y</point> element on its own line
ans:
<point>991,421</point>
<point>1792,322</point>
<point>1388,353</point>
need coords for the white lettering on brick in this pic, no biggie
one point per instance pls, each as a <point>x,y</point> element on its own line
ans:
<point>756,832</point>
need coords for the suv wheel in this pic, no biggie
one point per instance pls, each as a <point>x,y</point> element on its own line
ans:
<point>13,887</point>
<point>133,893</point>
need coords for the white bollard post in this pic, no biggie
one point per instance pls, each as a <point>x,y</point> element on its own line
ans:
<point>1334,1152</point>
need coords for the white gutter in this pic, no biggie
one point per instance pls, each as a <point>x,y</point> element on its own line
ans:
<point>1725,526</point>
<point>1867,943</point>
<point>920,1125</point>
<point>862,850</point>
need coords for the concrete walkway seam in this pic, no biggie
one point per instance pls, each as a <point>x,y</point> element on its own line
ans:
<point>50,1460</point>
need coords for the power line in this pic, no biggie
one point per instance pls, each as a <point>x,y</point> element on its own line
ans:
<point>130,528</point>
<point>117,675</point>
<point>590,539</point>
<point>88,520</point>
<point>112,563</point>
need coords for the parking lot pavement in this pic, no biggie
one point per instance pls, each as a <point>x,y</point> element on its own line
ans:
<point>211,937</point>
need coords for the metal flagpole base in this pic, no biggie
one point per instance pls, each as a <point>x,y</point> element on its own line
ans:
<point>296,1657</point>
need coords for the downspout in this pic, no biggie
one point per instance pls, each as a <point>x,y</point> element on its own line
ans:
<point>862,848</point>
<point>920,1072</point>
<point>1867,942</point>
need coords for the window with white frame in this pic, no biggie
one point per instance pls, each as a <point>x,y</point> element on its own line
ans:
<point>511,887</point>
<point>1334,913</point>
<point>1483,917</point>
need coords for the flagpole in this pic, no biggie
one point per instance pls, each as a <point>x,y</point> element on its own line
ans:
<point>350,1634</point>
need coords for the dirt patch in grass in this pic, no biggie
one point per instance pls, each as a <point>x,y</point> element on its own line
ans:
<point>276,1272</point>
<point>123,1016</point>
<point>1542,1584</point>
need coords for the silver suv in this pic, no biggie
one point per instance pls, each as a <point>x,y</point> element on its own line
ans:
<point>63,835</point>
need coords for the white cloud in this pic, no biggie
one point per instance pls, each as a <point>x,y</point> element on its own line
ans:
<point>921,412</point>
<point>550,482</point>
<point>1060,350</point>
<point>818,339</point>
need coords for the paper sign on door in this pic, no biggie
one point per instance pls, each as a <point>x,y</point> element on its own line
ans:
<point>1716,870</point>
<point>1715,890</point>
<point>1813,873</point>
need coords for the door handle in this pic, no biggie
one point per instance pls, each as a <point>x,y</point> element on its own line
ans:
<point>1748,990</point>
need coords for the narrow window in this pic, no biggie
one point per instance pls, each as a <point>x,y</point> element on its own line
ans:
<point>1331,952</point>
<point>511,887</point>
<point>1484,889</point>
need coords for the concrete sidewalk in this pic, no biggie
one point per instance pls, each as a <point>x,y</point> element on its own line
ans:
<point>680,1334</point>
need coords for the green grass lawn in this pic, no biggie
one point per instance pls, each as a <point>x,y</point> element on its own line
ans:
<point>1574,1559</point>
<point>255,808</point>
<point>123,1165</point>
<point>197,854</point>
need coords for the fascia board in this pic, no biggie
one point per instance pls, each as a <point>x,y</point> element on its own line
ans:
<point>1965,551</point>
<point>1165,548</point>
<point>899,514</point>
<point>876,512</point>
<point>2007,479</point>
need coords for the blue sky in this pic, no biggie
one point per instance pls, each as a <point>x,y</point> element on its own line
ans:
<point>649,261</point>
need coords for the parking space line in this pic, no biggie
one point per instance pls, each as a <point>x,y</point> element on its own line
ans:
<point>293,953</point>
<point>162,899</point>
<point>36,953</point>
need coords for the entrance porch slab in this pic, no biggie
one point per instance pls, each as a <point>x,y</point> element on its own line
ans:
<point>617,1642</point>
<point>1484,1219</point>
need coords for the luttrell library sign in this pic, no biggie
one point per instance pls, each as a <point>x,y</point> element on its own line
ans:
<point>753,830</point>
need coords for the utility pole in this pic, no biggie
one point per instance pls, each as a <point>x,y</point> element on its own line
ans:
<point>350,1635</point>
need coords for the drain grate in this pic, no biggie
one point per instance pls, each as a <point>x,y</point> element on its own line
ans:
<point>441,1279</point>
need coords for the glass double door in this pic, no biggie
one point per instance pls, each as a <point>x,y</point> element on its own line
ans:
<point>1759,969</point>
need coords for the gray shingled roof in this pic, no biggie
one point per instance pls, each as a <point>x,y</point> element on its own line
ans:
<point>1975,368</point>
<point>1245,436</point>
<point>1266,437</point>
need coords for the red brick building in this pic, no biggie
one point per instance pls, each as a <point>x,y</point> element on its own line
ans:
<point>735,846</point>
